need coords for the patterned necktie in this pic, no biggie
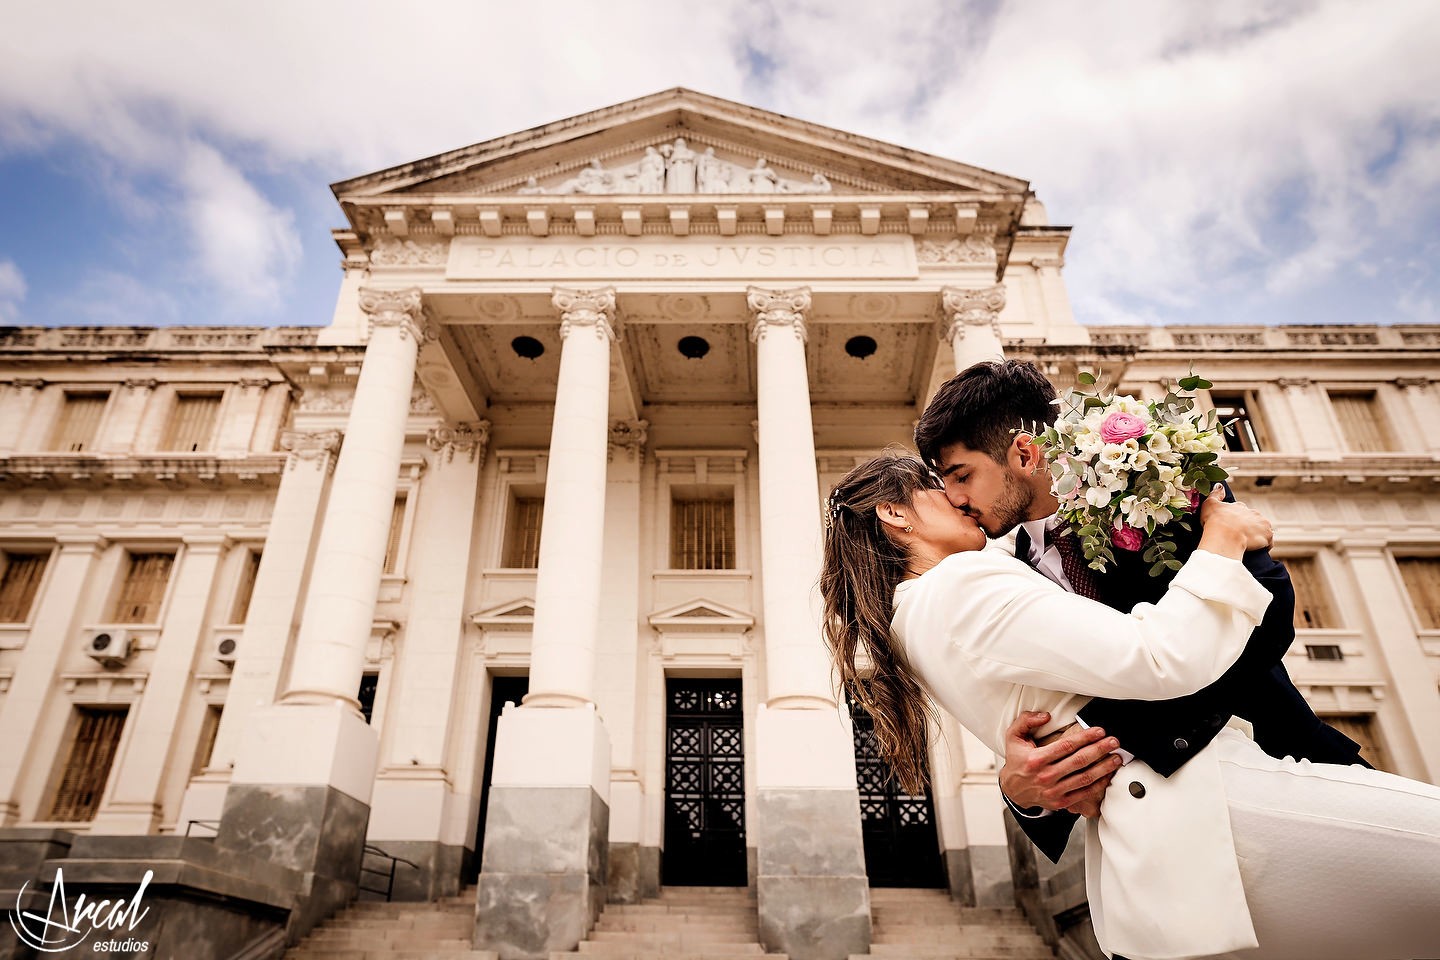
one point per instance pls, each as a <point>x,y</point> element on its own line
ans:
<point>1072,561</point>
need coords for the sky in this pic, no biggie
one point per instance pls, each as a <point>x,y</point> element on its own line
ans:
<point>1233,161</point>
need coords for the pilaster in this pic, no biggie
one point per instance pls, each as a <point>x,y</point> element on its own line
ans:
<point>1419,394</point>
<point>54,628</point>
<point>15,407</point>
<point>127,409</point>
<point>1315,426</point>
<point>132,800</point>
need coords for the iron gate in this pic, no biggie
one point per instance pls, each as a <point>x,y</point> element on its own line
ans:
<point>704,783</point>
<point>902,847</point>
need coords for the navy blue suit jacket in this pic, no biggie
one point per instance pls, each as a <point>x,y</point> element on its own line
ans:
<point>1167,733</point>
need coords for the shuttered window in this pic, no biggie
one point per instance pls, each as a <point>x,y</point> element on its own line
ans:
<point>143,589</point>
<point>522,532</point>
<point>1362,422</point>
<point>702,530</point>
<point>79,422</point>
<point>1422,582</point>
<point>192,422</point>
<point>19,582</point>
<point>205,746</point>
<point>92,753</point>
<point>241,610</point>
<point>1238,410</point>
<point>1312,600</point>
<point>1360,727</point>
<point>392,542</point>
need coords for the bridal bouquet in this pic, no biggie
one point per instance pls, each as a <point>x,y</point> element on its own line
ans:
<point>1128,473</point>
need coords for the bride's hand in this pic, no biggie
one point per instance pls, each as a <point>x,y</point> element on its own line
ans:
<point>1232,528</point>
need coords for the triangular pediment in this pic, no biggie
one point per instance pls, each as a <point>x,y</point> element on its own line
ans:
<point>518,612</point>
<point>683,143</point>
<point>701,614</point>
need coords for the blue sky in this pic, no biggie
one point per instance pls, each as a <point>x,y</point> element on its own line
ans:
<point>1227,162</point>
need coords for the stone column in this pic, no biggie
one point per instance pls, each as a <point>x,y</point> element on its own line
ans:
<point>133,799</point>
<point>274,607</point>
<point>126,411</point>
<point>551,776</point>
<point>54,630</point>
<point>15,408</point>
<point>1387,606</point>
<point>634,870</point>
<point>300,793</point>
<point>416,813</point>
<point>240,413</point>
<point>1315,427</point>
<point>814,897</point>
<point>1419,392</point>
<point>971,324</point>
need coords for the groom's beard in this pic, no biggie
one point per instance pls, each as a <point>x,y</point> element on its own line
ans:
<point>1010,509</point>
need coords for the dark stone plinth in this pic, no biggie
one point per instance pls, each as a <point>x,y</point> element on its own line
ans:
<point>436,872</point>
<point>542,884</point>
<point>958,877</point>
<point>313,829</point>
<point>634,873</point>
<point>813,894</point>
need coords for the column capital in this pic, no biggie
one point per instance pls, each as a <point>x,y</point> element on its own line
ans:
<point>629,436</point>
<point>467,438</point>
<point>593,308</point>
<point>27,383</point>
<point>206,543</point>
<point>81,543</point>
<point>394,308</point>
<point>778,308</point>
<point>254,383</point>
<point>965,307</point>
<point>1412,383</point>
<point>1294,383</point>
<point>142,384</point>
<point>318,447</point>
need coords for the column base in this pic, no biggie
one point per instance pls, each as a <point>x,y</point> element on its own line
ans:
<point>634,873</point>
<point>547,828</point>
<point>436,872</point>
<point>811,886</point>
<point>980,876</point>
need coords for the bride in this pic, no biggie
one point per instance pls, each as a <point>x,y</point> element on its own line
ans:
<point>1236,854</point>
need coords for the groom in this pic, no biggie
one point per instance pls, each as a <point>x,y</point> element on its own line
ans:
<point>1000,477</point>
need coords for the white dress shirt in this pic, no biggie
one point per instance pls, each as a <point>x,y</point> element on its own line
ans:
<point>1043,555</point>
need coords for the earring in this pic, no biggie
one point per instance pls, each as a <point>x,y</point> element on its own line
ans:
<point>909,529</point>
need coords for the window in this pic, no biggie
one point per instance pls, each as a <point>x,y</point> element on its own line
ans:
<point>1324,651</point>
<point>369,683</point>
<point>392,542</point>
<point>1360,727</point>
<point>143,589</point>
<point>97,737</point>
<point>1238,410</point>
<point>79,422</point>
<point>1422,582</point>
<point>1362,423</point>
<point>702,528</point>
<point>20,575</point>
<point>1312,603</point>
<point>522,531</point>
<point>192,422</point>
<point>205,747</point>
<point>251,566</point>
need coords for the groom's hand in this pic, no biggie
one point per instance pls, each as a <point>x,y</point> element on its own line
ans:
<point>1069,774</point>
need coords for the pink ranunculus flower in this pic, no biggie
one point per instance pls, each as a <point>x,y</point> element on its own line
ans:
<point>1195,499</point>
<point>1121,426</point>
<point>1127,537</point>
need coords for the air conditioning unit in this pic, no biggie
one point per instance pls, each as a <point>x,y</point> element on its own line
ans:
<point>225,647</point>
<point>108,645</point>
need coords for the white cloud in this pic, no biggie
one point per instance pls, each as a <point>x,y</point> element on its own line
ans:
<point>12,291</point>
<point>111,298</point>
<point>1238,149</point>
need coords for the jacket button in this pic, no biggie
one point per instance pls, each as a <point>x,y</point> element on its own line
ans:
<point>1137,789</point>
<point>1181,743</point>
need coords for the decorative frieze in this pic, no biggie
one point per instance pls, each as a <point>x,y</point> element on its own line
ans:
<point>778,309</point>
<point>465,438</point>
<point>971,248</point>
<point>410,253</point>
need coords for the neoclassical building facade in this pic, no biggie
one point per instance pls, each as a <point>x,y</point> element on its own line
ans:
<point>508,570</point>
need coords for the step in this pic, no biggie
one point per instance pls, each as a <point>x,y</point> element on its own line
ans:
<point>627,948</point>
<point>609,921</point>
<point>682,955</point>
<point>987,951</point>
<point>674,936</point>
<point>303,953</point>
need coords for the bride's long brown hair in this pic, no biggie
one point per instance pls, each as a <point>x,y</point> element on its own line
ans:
<point>862,566</point>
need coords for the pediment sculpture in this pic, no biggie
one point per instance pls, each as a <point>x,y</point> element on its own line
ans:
<point>676,168</point>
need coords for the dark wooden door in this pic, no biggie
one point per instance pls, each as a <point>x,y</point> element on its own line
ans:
<point>704,784</point>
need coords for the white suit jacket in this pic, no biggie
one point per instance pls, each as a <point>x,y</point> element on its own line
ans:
<point>989,638</point>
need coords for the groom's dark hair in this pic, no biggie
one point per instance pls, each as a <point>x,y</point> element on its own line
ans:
<point>983,406</point>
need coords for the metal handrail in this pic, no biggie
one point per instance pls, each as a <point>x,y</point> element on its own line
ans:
<point>389,874</point>
<point>207,824</point>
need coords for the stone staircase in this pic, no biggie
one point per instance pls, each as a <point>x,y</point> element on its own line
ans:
<point>372,930</point>
<point>683,923</point>
<point>928,925</point>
